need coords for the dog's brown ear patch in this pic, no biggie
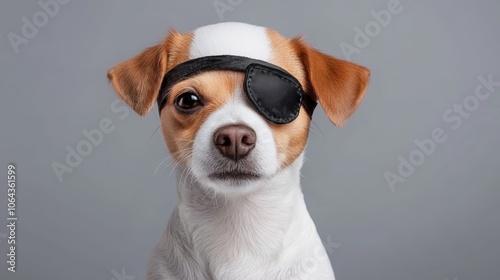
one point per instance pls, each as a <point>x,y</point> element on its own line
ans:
<point>137,80</point>
<point>338,85</point>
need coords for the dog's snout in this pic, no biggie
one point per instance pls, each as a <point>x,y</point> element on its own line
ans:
<point>235,141</point>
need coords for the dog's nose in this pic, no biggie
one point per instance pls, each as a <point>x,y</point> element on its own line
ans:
<point>235,141</point>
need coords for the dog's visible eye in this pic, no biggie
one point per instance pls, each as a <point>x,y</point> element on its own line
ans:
<point>187,102</point>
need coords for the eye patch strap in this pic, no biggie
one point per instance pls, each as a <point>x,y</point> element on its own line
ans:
<point>221,62</point>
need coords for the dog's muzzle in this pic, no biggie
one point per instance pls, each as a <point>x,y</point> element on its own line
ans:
<point>275,93</point>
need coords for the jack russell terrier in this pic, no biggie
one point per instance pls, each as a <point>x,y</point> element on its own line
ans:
<point>235,103</point>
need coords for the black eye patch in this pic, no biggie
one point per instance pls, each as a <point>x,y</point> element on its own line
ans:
<point>274,92</point>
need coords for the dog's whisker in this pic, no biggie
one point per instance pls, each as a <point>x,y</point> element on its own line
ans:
<point>187,155</point>
<point>167,158</point>
<point>301,175</point>
<point>153,133</point>
<point>192,176</point>
<point>206,194</point>
<point>312,132</point>
<point>179,153</point>
<point>185,174</point>
<point>214,198</point>
<point>156,170</point>
<point>319,128</point>
<point>173,168</point>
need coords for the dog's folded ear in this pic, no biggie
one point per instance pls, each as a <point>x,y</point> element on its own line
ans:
<point>138,80</point>
<point>338,85</point>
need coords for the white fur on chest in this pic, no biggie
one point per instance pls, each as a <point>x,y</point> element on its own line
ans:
<point>265,235</point>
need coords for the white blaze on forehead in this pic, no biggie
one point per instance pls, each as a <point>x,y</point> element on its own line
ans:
<point>231,38</point>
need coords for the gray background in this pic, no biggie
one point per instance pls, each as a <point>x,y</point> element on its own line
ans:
<point>104,218</point>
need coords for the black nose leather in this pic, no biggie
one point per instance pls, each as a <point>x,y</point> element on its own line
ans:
<point>235,141</point>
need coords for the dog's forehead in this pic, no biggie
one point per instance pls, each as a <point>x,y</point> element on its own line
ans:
<point>231,38</point>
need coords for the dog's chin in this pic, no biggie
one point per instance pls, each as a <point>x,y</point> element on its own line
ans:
<point>233,182</point>
<point>235,176</point>
<point>228,177</point>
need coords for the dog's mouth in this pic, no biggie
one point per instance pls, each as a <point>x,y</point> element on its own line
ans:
<point>235,175</point>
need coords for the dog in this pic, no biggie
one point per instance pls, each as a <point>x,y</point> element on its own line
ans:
<point>235,103</point>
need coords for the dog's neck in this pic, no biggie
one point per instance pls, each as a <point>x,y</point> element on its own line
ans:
<point>259,222</point>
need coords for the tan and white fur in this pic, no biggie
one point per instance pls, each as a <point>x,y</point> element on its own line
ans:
<point>230,229</point>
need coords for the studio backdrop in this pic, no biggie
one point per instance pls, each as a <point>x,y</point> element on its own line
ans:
<point>408,189</point>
